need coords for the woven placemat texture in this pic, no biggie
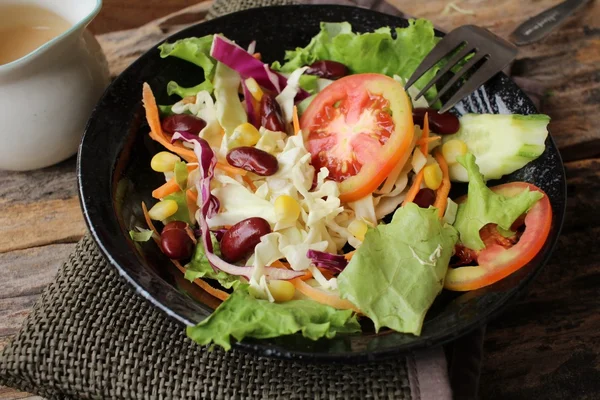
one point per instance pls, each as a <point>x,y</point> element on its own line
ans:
<point>92,336</point>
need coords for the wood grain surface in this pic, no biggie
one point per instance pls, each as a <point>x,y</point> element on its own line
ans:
<point>547,345</point>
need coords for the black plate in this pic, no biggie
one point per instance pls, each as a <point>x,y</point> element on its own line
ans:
<point>114,176</point>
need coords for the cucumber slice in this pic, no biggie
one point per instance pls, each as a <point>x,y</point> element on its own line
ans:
<point>501,143</point>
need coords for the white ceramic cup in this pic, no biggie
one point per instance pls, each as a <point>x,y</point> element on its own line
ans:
<point>47,96</point>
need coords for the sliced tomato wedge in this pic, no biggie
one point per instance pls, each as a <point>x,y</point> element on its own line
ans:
<point>500,257</point>
<point>359,127</point>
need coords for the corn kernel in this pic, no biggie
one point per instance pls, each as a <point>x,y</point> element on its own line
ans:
<point>432,175</point>
<point>164,161</point>
<point>254,89</point>
<point>245,135</point>
<point>452,149</point>
<point>358,229</point>
<point>163,210</point>
<point>281,290</point>
<point>287,209</point>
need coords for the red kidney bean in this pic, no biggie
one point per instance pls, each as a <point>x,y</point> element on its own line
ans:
<point>175,241</point>
<point>254,160</point>
<point>239,240</point>
<point>182,123</point>
<point>425,198</point>
<point>271,116</point>
<point>444,124</point>
<point>327,69</point>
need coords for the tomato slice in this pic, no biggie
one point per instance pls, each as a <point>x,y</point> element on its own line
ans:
<point>499,258</point>
<point>359,127</point>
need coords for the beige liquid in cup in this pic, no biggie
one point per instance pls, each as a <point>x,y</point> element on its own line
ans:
<point>24,28</point>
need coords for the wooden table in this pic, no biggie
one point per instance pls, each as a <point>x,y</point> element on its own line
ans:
<point>547,345</point>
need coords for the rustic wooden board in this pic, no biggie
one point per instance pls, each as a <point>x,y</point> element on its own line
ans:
<point>547,345</point>
<point>118,15</point>
<point>31,270</point>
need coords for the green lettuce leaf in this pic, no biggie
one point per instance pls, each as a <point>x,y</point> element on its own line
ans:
<point>183,211</point>
<point>486,207</point>
<point>141,235</point>
<point>199,267</point>
<point>309,83</point>
<point>195,50</point>
<point>181,175</point>
<point>399,269</point>
<point>165,111</point>
<point>242,315</point>
<point>174,88</point>
<point>377,52</point>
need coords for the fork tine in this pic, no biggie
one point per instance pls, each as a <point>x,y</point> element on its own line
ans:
<point>440,51</point>
<point>487,70</point>
<point>459,74</point>
<point>451,63</point>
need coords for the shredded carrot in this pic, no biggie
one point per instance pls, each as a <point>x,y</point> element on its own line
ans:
<point>279,264</point>
<point>166,189</point>
<point>296,121</point>
<point>323,297</point>
<point>219,294</point>
<point>156,132</point>
<point>348,256</point>
<point>441,194</point>
<point>414,189</point>
<point>424,146</point>
<point>231,170</point>
<point>249,183</point>
<point>192,196</point>
<point>257,56</point>
<point>428,140</point>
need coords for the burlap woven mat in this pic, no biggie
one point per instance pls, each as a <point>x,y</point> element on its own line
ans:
<point>91,336</point>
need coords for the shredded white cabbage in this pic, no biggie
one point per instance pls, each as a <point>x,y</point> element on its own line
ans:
<point>386,203</point>
<point>259,289</point>
<point>229,110</point>
<point>287,95</point>
<point>238,203</point>
<point>204,108</point>
<point>419,160</point>
<point>316,229</point>
<point>412,93</point>
<point>323,221</point>
<point>365,209</point>
<point>271,141</point>
<point>450,214</point>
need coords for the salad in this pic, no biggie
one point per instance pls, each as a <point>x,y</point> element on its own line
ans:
<point>311,194</point>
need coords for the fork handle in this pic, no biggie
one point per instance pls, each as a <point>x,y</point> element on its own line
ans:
<point>537,27</point>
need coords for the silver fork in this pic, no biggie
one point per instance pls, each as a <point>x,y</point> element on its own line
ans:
<point>498,53</point>
<point>495,52</point>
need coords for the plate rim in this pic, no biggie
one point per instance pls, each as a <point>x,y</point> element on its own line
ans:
<point>266,348</point>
